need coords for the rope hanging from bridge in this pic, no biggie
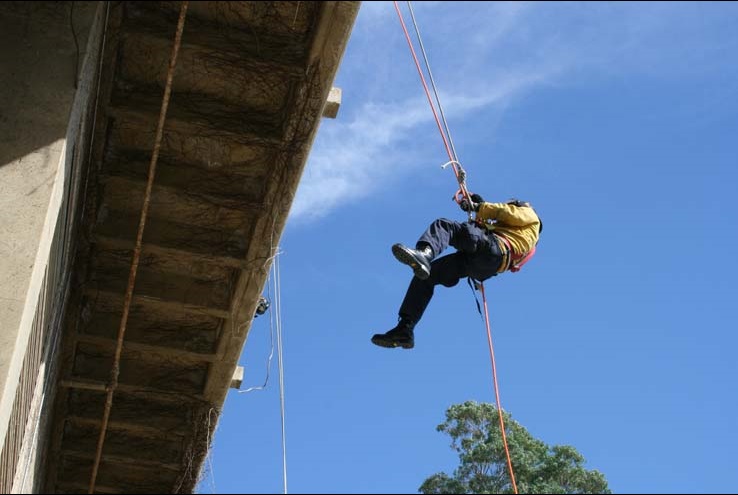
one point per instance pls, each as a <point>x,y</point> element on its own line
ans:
<point>275,327</point>
<point>280,364</point>
<point>115,370</point>
<point>462,193</point>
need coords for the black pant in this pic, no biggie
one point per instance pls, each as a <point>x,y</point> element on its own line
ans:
<point>478,256</point>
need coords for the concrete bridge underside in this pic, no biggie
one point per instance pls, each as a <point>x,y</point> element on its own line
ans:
<point>249,90</point>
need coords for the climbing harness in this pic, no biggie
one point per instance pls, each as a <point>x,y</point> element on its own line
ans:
<point>515,262</point>
<point>461,194</point>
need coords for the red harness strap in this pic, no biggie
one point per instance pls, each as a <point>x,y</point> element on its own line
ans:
<point>515,263</point>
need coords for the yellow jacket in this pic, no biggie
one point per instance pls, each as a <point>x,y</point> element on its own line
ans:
<point>519,224</point>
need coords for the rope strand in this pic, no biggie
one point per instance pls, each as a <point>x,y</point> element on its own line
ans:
<point>497,389</point>
<point>115,370</point>
<point>455,156</point>
<point>427,91</point>
<point>461,178</point>
<point>278,311</point>
<point>458,171</point>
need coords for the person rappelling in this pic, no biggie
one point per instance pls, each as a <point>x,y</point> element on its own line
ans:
<point>502,238</point>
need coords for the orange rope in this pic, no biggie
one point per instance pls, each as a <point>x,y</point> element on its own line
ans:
<point>497,388</point>
<point>465,192</point>
<point>430,102</point>
<point>115,370</point>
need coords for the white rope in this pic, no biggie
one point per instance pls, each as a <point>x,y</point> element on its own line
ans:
<point>278,311</point>
<point>210,452</point>
<point>275,253</point>
<point>461,178</point>
<point>275,326</point>
<point>271,347</point>
<point>433,84</point>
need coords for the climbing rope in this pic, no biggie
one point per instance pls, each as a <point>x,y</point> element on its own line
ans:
<point>458,170</point>
<point>115,370</point>
<point>278,311</point>
<point>462,193</point>
<point>455,156</point>
<point>497,388</point>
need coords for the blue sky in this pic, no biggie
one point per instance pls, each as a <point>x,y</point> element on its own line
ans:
<point>619,122</point>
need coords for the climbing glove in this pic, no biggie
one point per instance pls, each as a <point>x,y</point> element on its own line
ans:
<point>476,201</point>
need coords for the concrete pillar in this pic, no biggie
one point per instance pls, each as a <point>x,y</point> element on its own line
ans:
<point>43,95</point>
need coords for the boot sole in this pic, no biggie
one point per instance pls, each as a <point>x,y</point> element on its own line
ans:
<point>391,344</point>
<point>404,257</point>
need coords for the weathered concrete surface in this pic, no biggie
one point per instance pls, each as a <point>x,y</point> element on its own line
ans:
<point>249,90</point>
<point>38,60</point>
<point>251,85</point>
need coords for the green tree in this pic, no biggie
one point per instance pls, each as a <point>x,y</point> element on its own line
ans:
<point>475,434</point>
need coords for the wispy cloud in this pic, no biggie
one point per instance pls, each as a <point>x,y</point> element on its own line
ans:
<point>486,55</point>
<point>352,160</point>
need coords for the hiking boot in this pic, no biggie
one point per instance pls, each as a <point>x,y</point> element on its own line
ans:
<point>418,259</point>
<point>400,336</point>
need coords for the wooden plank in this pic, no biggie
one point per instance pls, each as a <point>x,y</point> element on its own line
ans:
<point>92,362</point>
<point>192,123</point>
<point>248,43</point>
<point>158,304</point>
<point>121,459</point>
<point>111,269</point>
<point>175,235</point>
<point>148,351</point>
<point>150,393</point>
<point>200,111</point>
<point>83,384</point>
<point>176,205</point>
<point>170,416</point>
<point>180,331</point>
<point>188,257</point>
<point>225,77</point>
<point>129,447</point>
<point>135,132</point>
<point>78,487</point>
<point>233,187</point>
<point>132,428</point>
<point>131,478</point>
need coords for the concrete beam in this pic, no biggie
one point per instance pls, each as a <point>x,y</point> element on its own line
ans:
<point>332,104</point>
<point>237,379</point>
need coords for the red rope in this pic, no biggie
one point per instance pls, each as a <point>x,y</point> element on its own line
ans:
<point>497,389</point>
<point>430,101</point>
<point>465,193</point>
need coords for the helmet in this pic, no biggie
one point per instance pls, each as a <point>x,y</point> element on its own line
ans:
<point>517,202</point>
